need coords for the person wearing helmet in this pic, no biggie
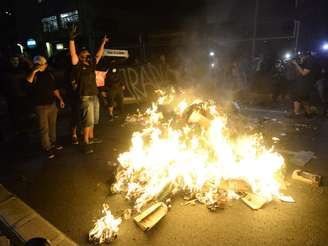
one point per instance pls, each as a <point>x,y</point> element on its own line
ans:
<point>44,92</point>
<point>86,86</point>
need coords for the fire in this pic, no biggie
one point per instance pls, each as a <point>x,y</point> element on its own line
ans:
<point>105,229</point>
<point>187,145</point>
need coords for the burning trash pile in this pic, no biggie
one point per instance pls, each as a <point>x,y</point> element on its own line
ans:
<point>186,146</point>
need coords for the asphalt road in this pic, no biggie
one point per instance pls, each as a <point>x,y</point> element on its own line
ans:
<point>70,190</point>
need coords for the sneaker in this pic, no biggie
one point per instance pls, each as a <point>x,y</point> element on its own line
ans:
<point>75,140</point>
<point>51,155</point>
<point>95,141</point>
<point>87,149</point>
<point>57,147</point>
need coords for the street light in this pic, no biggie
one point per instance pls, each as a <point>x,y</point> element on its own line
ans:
<point>325,46</point>
<point>288,56</point>
<point>212,53</point>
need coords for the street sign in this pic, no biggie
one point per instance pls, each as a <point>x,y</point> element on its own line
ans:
<point>116,53</point>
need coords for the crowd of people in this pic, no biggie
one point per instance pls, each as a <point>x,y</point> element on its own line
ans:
<point>29,85</point>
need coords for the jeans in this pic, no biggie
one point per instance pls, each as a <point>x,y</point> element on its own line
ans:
<point>47,115</point>
<point>89,108</point>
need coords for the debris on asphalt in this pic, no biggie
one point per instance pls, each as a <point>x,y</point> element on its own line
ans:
<point>254,201</point>
<point>301,158</point>
<point>285,198</point>
<point>307,177</point>
<point>275,139</point>
<point>148,218</point>
<point>105,229</point>
<point>283,134</point>
<point>191,202</point>
<point>127,213</point>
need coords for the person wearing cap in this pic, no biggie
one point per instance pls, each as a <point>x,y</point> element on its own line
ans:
<point>86,87</point>
<point>44,91</point>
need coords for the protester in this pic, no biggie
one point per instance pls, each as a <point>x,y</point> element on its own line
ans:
<point>73,102</point>
<point>321,86</point>
<point>115,88</point>
<point>15,92</point>
<point>85,77</point>
<point>304,84</point>
<point>44,89</point>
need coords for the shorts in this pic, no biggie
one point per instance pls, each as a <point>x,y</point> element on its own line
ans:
<point>89,109</point>
<point>115,96</point>
<point>300,91</point>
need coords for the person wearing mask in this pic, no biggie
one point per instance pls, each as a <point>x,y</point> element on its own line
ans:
<point>115,88</point>
<point>305,69</point>
<point>44,91</point>
<point>85,78</point>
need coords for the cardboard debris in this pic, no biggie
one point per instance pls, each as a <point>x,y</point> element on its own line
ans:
<point>285,198</point>
<point>148,218</point>
<point>300,158</point>
<point>254,201</point>
<point>307,177</point>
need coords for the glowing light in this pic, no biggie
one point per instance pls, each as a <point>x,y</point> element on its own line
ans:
<point>59,46</point>
<point>325,46</point>
<point>31,43</point>
<point>212,65</point>
<point>288,56</point>
<point>212,53</point>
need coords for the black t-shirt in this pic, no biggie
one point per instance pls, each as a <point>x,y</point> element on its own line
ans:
<point>85,77</point>
<point>42,88</point>
<point>114,81</point>
<point>311,77</point>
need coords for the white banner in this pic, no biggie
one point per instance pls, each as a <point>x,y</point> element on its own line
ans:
<point>116,53</point>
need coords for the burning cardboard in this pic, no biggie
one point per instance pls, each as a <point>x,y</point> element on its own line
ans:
<point>105,229</point>
<point>307,177</point>
<point>151,216</point>
<point>254,201</point>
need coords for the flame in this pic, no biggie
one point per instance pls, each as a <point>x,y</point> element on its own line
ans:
<point>106,228</point>
<point>187,146</point>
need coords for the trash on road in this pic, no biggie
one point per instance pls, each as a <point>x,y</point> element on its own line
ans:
<point>283,134</point>
<point>299,158</point>
<point>254,201</point>
<point>105,229</point>
<point>306,177</point>
<point>148,218</point>
<point>275,139</point>
<point>127,213</point>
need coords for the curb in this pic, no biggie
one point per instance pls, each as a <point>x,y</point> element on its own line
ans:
<point>20,223</point>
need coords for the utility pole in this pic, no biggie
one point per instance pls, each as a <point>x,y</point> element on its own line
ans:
<point>255,28</point>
